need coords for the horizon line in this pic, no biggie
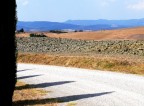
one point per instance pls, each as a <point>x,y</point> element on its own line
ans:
<point>78,20</point>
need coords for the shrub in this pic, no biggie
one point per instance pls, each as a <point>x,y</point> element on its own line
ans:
<point>37,35</point>
<point>20,31</point>
<point>57,31</point>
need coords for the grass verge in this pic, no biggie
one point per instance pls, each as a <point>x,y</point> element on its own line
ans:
<point>26,96</point>
<point>117,63</point>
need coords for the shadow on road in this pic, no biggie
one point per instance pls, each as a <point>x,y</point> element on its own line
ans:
<point>83,96</point>
<point>42,85</point>
<point>23,70</point>
<point>30,76</point>
<point>59,99</point>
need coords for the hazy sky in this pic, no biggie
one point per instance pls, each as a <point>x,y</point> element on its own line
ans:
<point>62,10</point>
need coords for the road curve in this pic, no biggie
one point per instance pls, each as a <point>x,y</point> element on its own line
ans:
<point>84,87</point>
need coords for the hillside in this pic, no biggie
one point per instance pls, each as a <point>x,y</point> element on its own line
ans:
<point>130,22</point>
<point>93,25</point>
<point>46,26</point>
<point>136,33</point>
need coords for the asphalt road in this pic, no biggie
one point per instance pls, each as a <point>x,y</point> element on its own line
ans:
<point>83,87</point>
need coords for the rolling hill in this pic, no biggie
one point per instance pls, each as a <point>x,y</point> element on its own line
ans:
<point>136,33</point>
<point>127,23</point>
<point>93,25</point>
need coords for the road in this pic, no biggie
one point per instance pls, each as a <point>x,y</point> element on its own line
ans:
<point>84,87</point>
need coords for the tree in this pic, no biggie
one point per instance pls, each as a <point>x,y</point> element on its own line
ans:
<point>21,30</point>
<point>7,51</point>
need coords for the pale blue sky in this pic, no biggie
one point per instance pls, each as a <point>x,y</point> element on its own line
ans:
<point>62,10</point>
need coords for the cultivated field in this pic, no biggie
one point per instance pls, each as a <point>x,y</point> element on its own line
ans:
<point>120,34</point>
<point>114,50</point>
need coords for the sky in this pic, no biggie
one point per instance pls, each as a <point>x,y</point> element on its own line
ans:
<point>63,10</point>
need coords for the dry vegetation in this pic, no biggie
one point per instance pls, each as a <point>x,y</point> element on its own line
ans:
<point>25,95</point>
<point>118,63</point>
<point>127,33</point>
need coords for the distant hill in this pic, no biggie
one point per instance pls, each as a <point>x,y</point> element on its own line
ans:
<point>44,26</point>
<point>131,22</point>
<point>100,24</point>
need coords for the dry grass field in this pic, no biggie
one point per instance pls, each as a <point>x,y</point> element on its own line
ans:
<point>126,33</point>
<point>117,63</point>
